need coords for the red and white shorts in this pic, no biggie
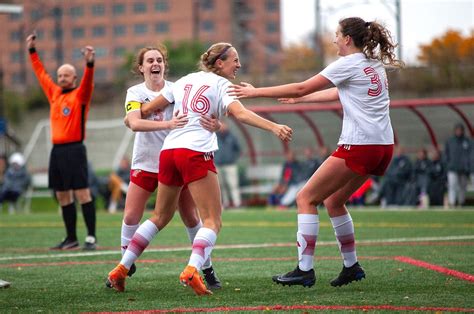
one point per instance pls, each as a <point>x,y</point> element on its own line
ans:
<point>144,179</point>
<point>366,159</point>
<point>181,166</point>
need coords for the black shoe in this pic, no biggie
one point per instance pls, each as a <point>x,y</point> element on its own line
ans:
<point>66,244</point>
<point>131,271</point>
<point>212,281</point>
<point>90,244</point>
<point>348,275</point>
<point>296,277</point>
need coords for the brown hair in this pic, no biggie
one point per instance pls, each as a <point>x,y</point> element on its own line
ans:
<point>215,52</point>
<point>373,38</point>
<point>141,56</point>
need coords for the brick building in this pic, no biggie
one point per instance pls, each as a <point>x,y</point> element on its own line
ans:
<point>115,27</point>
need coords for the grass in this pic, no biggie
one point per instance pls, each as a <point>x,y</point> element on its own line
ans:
<point>74,282</point>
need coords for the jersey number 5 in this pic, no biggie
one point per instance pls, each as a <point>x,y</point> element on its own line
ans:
<point>199,102</point>
<point>374,79</point>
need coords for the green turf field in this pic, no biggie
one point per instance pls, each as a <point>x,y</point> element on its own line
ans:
<point>414,260</point>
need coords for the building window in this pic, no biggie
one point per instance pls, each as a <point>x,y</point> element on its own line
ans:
<point>98,10</point>
<point>77,53</point>
<point>272,48</point>
<point>118,9</point>
<point>207,5</point>
<point>36,15</point>
<point>39,34</point>
<point>15,16</point>
<point>17,78</point>
<point>119,51</point>
<point>139,7</point>
<point>162,27</point>
<point>140,28</point>
<point>208,26</point>
<point>100,74</point>
<point>98,31</point>
<point>119,30</point>
<point>161,5</point>
<point>101,52</point>
<point>271,5</point>
<point>78,32</point>
<point>76,12</point>
<point>272,27</point>
<point>14,57</point>
<point>15,35</point>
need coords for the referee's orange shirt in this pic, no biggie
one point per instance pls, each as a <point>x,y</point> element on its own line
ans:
<point>68,108</point>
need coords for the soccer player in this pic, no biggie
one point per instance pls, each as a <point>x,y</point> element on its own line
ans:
<point>68,175</point>
<point>152,65</point>
<point>365,145</point>
<point>187,159</point>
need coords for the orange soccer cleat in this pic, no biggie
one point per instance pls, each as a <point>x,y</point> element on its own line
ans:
<point>190,277</point>
<point>117,277</point>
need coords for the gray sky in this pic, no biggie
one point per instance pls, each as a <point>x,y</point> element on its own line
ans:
<point>422,20</point>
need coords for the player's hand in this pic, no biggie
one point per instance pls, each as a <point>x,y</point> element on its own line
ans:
<point>210,123</point>
<point>89,53</point>
<point>287,101</point>
<point>244,90</point>
<point>283,132</point>
<point>31,41</point>
<point>178,121</point>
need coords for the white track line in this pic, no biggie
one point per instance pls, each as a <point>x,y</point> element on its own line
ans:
<point>232,246</point>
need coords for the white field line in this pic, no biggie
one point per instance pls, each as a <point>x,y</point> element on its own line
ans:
<point>233,246</point>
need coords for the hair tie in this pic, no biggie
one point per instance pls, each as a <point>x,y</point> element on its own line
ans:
<point>367,24</point>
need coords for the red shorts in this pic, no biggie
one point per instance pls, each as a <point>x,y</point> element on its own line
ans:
<point>144,179</point>
<point>366,159</point>
<point>180,166</point>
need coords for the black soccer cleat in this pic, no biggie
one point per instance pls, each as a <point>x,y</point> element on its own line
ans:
<point>348,275</point>
<point>66,244</point>
<point>131,271</point>
<point>212,281</point>
<point>296,277</point>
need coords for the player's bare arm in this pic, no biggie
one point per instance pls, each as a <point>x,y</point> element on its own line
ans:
<point>326,95</point>
<point>159,102</point>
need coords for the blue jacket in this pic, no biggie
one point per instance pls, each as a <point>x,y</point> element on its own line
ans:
<point>229,149</point>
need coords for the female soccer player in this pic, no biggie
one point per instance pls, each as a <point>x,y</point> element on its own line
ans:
<point>365,145</point>
<point>152,64</point>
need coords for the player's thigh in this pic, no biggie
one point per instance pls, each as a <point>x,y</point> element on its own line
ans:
<point>135,203</point>
<point>187,209</point>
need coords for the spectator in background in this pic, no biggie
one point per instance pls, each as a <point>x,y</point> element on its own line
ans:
<point>118,183</point>
<point>305,170</point>
<point>3,168</point>
<point>457,153</point>
<point>225,159</point>
<point>397,176</point>
<point>437,179</point>
<point>16,181</point>
<point>421,173</point>
<point>289,177</point>
<point>69,105</point>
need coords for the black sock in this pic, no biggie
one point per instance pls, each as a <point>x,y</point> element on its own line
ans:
<point>70,219</point>
<point>88,211</point>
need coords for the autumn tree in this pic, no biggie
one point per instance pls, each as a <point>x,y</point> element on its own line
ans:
<point>451,55</point>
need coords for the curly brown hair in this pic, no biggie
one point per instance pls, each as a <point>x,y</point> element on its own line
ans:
<point>373,38</point>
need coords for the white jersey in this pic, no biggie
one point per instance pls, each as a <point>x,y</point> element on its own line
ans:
<point>363,92</point>
<point>147,145</point>
<point>195,94</point>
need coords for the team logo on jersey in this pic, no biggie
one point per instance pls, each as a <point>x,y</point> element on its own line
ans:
<point>136,173</point>
<point>66,111</point>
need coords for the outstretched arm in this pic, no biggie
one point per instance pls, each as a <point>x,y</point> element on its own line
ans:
<point>159,102</point>
<point>46,82</point>
<point>134,121</point>
<point>326,95</point>
<point>249,117</point>
<point>313,84</point>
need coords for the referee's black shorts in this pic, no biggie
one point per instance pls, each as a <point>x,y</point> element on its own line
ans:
<point>68,167</point>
